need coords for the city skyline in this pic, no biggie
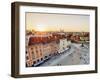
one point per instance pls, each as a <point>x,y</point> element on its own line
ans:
<point>55,22</point>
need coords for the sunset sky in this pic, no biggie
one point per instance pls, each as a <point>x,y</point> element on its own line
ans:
<point>57,22</point>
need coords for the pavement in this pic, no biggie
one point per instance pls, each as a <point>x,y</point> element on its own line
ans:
<point>75,56</point>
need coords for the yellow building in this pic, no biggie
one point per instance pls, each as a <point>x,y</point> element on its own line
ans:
<point>34,54</point>
<point>40,49</point>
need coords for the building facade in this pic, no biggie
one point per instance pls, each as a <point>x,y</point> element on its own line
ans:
<point>63,45</point>
<point>40,49</point>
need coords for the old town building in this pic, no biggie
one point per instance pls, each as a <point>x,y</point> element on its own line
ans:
<point>41,48</point>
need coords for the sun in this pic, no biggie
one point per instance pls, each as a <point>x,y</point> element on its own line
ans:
<point>40,27</point>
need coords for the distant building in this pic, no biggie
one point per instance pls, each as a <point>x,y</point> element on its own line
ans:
<point>85,37</point>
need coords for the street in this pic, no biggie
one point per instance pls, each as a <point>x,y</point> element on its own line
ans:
<point>76,55</point>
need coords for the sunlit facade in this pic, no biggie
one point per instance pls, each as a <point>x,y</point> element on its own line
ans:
<point>40,49</point>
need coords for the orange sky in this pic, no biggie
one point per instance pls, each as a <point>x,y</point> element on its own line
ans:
<point>55,22</point>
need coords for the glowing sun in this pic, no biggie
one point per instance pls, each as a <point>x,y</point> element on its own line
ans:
<point>40,28</point>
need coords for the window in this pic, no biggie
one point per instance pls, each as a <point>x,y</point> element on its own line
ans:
<point>40,54</point>
<point>36,47</point>
<point>36,51</point>
<point>31,48</point>
<point>34,62</point>
<point>40,51</point>
<point>49,54</point>
<point>26,52</point>
<point>41,59</point>
<point>45,56</point>
<point>27,57</point>
<point>38,60</point>
<point>33,55</point>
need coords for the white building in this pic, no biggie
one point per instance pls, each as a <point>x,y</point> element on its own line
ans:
<point>63,45</point>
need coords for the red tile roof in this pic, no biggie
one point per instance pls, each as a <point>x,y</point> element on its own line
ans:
<point>46,39</point>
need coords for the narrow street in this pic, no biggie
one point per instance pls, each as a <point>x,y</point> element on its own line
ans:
<point>76,55</point>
